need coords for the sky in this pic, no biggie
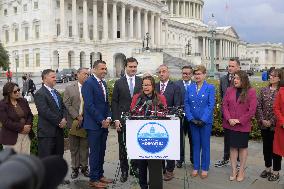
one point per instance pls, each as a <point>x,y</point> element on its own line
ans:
<point>256,21</point>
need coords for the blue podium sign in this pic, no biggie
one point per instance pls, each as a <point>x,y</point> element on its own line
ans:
<point>153,139</point>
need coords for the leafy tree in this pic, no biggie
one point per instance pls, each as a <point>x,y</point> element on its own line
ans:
<point>4,58</point>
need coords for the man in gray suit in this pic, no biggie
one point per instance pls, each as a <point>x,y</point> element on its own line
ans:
<point>77,135</point>
<point>225,82</point>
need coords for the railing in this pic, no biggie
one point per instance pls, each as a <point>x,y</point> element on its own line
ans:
<point>148,50</point>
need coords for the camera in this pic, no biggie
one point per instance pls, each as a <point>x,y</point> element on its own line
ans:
<point>19,171</point>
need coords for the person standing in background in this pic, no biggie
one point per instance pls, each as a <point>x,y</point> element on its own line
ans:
<point>184,126</point>
<point>74,103</point>
<point>123,91</point>
<point>51,117</point>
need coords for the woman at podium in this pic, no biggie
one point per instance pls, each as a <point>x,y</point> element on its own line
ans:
<point>199,107</point>
<point>147,103</point>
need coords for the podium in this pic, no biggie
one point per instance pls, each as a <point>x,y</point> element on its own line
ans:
<point>153,140</point>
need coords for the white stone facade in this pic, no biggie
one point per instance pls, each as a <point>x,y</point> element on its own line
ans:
<point>57,34</point>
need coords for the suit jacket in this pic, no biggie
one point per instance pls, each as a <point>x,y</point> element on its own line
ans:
<point>224,84</point>
<point>49,114</point>
<point>200,105</point>
<point>121,98</point>
<point>172,94</point>
<point>278,108</point>
<point>182,89</point>
<point>96,108</point>
<point>10,120</point>
<point>234,109</point>
<point>72,103</point>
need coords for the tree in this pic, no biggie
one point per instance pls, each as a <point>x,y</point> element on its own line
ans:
<point>4,58</point>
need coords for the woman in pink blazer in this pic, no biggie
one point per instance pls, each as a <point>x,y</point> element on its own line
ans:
<point>239,107</point>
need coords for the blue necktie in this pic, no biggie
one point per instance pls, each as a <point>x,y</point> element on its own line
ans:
<point>55,97</point>
<point>186,83</point>
<point>131,88</point>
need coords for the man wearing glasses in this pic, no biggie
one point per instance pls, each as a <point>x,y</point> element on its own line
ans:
<point>184,127</point>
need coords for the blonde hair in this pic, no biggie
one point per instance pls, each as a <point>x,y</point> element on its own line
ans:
<point>199,68</point>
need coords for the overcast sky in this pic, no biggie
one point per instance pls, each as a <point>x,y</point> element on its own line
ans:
<point>254,20</point>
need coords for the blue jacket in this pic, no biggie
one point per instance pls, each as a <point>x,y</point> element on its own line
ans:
<point>200,105</point>
<point>96,108</point>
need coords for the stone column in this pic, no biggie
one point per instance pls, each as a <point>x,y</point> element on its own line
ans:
<point>203,47</point>
<point>122,28</point>
<point>145,22</point>
<point>220,49</point>
<point>177,10</point>
<point>158,30</point>
<point>138,23</point>
<point>183,12</point>
<point>74,19</point>
<point>105,21</point>
<point>62,19</point>
<point>172,8</point>
<point>131,22</point>
<point>152,29</point>
<point>114,20</point>
<point>166,33</point>
<point>95,20</point>
<point>85,21</point>
<point>194,11</point>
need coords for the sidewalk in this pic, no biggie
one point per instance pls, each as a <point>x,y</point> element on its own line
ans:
<point>218,177</point>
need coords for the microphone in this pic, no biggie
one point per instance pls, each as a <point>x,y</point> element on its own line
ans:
<point>145,102</point>
<point>55,171</point>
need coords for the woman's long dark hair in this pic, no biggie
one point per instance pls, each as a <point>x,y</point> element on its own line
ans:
<point>155,98</point>
<point>278,73</point>
<point>8,90</point>
<point>245,84</point>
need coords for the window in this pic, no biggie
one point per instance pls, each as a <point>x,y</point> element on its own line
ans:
<point>58,29</point>
<point>25,7</point>
<point>7,36</point>
<point>90,11</point>
<point>16,34</point>
<point>27,59</point>
<point>70,31</point>
<point>5,12</point>
<point>69,6</point>
<point>37,59</point>
<point>80,8</point>
<point>36,31</point>
<point>35,5</point>
<point>81,32</point>
<point>91,34</point>
<point>15,10</point>
<point>26,33</point>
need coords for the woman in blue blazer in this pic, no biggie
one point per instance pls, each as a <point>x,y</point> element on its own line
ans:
<point>199,107</point>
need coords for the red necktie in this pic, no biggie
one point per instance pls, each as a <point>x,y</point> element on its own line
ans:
<point>162,88</point>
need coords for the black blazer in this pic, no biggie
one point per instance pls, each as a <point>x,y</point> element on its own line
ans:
<point>172,94</point>
<point>121,98</point>
<point>224,84</point>
<point>49,115</point>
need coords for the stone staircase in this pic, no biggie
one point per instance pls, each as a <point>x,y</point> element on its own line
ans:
<point>174,64</point>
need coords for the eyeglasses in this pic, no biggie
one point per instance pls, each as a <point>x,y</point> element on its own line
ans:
<point>184,73</point>
<point>16,91</point>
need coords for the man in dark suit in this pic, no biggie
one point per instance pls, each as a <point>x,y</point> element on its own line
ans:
<point>172,93</point>
<point>184,129</point>
<point>51,117</point>
<point>97,119</point>
<point>225,82</point>
<point>123,91</point>
<point>74,103</point>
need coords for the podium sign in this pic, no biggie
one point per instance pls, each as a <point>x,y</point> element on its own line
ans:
<point>153,139</point>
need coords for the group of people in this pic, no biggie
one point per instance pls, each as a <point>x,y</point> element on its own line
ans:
<point>86,110</point>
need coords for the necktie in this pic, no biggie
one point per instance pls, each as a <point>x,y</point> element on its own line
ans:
<point>231,80</point>
<point>101,85</point>
<point>131,88</point>
<point>55,97</point>
<point>82,102</point>
<point>186,83</point>
<point>162,88</point>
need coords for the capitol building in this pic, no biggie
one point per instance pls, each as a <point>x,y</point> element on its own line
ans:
<point>57,34</point>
